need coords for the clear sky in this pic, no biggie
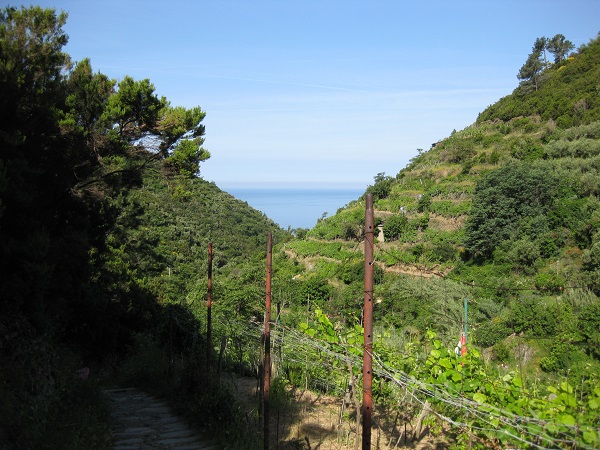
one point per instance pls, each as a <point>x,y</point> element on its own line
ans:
<point>321,91</point>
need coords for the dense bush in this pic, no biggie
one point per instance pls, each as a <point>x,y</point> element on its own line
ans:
<point>382,186</point>
<point>491,332</point>
<point>395,226</point>
<point>503,198</point>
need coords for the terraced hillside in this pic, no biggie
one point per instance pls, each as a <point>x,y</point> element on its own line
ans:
<point>505,212</point>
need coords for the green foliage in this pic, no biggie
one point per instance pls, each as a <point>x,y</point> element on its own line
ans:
<point>186,158</point>
<point>530,71</point>
<point>565,96</point>
<point>456,149</point>
<point>346,224</point>
<point>134,108</point>
<point>549,282</point>
<point>336,250</point>
<point>395,226</point>
<point>381,188</point>
<point>503,198</point>
<point>589,323</point>
<point>528,316</point>
<point>491,332</point>
<point>527,149</point>
<point>93,245</point>
<point>559,46</point>
<point>91,241</point>
<point>424,202</point>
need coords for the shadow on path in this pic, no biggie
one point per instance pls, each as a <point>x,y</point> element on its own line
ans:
<point>140,421</point>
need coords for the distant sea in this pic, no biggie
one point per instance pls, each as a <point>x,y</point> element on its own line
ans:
<point>296,207</point>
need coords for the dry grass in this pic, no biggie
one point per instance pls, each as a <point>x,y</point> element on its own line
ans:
<point>303,419</point>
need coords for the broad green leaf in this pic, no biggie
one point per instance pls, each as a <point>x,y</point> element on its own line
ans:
<point>567,419</point>
<point>594,403</point>
<point>517,382</point>
<point>435,353</point>
<point>445,362</point>
<point>590,436</point>
<point>456,376</point>
<point>471,385</point>
<point>356,351</point>
<point>479,397</point>
<point>566,387</point>
<point>567,399</point>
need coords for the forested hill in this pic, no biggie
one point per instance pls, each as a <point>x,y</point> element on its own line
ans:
<point>104,221</point>
<point>100,193</point>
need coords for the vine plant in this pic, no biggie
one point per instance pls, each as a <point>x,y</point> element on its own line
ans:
<point>492,409</point>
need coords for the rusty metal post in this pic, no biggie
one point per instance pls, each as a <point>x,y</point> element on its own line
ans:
<point>209,306</point>
<point>267,365</point>
<point>367,406</point>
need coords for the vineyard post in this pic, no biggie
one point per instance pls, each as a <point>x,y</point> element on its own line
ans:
<point>267,364</point>
<point>170,355</point>
<point>209,306</point>
<point>466,302</point>
<point>368,324</point>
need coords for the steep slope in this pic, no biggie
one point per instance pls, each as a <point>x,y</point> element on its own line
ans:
<point>543,145</point>
<point>504,212</point>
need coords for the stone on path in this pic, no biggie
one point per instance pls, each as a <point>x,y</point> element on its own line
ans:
<point>140,421</point>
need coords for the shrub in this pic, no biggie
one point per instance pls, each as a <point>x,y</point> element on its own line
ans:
<point>445,252</point>
<point>424,202</point>
<point>549,282</point>
<point>528,316</point>
<point>491,332</point>
<point>501,352</point>
<point>382,186</point>
<point>395,226</point>
<point>527,149</point>
<point>502,199</point>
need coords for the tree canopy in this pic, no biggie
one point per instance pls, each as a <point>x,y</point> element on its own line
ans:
<point>536,62</point>
<point>71,139</point>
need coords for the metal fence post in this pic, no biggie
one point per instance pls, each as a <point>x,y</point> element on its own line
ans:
<point>267,365</point>
<point>367,406</point>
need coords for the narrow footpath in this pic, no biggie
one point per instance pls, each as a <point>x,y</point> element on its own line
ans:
<point>140,421</point>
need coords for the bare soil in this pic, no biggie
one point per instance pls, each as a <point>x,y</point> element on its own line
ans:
<point>309,420</point>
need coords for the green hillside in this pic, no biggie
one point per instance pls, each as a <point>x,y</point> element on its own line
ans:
<point>509,205</point>
<point>505,212</point>
<point>104,230</point>
<point>503,217</point>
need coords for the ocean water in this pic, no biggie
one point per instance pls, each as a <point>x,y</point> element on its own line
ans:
<point>296,207</point>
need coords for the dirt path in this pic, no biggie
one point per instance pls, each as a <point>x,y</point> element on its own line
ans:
<point>140,421</point>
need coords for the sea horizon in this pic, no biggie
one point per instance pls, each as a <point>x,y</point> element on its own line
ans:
<point>296,206</point>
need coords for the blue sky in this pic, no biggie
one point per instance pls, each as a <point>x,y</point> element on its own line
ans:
<point>320,92</point>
